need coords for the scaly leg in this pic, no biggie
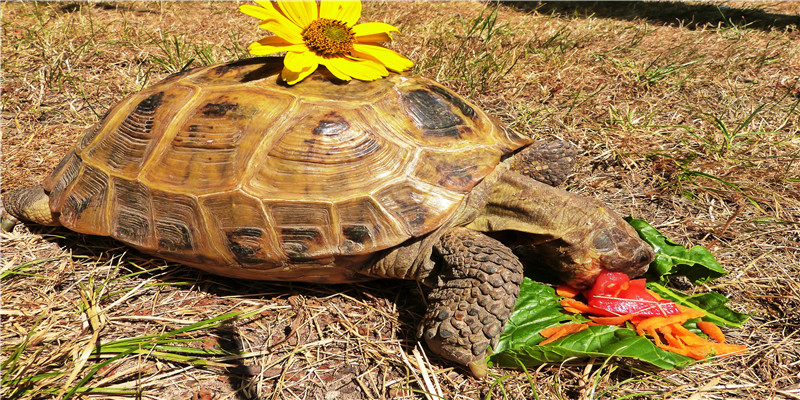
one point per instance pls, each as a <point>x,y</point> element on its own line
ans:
<point>477,289</point>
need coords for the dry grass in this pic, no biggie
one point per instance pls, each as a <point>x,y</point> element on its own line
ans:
<point>688,115</point>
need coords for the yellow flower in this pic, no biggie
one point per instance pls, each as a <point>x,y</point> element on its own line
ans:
<point>325,34</point>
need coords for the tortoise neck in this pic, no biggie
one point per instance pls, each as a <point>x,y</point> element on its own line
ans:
<point>518,203</point>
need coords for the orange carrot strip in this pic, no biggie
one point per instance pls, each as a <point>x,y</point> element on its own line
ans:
<point>557,332</point>
<point>620,320</point>
<point>713,331</point>
<point>583,308</point>
<point>657,322</point>
<point>656,337</point>
<point>673,341</point>
<point>684,352</point>
<point>726,349</point>
<point>572,310</point>
<point>690,312</point>
<point>567,291</point>
<point>687,336</point>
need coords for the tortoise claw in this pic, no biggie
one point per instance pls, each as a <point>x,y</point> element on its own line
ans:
<point>478,368</point>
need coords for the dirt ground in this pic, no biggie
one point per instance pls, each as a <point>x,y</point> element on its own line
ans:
<point>687,115</point>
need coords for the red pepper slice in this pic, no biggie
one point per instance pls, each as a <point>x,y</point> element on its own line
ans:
<point>614,293</point>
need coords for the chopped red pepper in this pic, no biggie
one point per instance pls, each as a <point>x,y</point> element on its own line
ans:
<point>615,294</point>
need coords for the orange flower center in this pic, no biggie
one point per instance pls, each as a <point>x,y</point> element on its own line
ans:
<point>329,37</point>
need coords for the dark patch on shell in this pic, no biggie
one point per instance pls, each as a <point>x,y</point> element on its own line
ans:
<point>433,114</point>
<point>174,236</point>
<point>149,105</point>
<point>245,244</point>
<point>218,109</point>
<point>465,108</point>
<point>356,233</point>
<point>296,242</point>
<point>334,124</point>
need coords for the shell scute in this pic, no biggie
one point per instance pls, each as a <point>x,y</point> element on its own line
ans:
<point>131,133</point>
<point>238,226</point>
<point>132,220</point>
<point>365,227</point>
<point>305,231</point>
<point>325,154</point>
<point>212,143</point>
<point>177,224</point>
<point>420,207</point>
<point>61,178</point>
<point>85,208</point>
<point>458,172</point>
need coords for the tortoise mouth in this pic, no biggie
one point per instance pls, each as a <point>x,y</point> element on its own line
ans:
<point>585,276</point>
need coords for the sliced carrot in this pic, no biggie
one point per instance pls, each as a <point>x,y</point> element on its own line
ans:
<point>725,349</point>
<point>688,352</point>
<point>690,312</point>
<point>557,332</point>
<point>656,322</point>
<point>673,341</point>
<point>712,331</point>
<point>581,307</point>
<point>686,336</point>
<point>620,320</point>
<point>567,291</point>
<point>656,337</point>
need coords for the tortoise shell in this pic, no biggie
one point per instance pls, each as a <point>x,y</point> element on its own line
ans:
<point>227,169</point>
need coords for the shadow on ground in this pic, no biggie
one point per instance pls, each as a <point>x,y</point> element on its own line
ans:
<point>689,15</point>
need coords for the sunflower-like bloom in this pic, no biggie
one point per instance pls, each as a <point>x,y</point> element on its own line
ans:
<point>325,34</point>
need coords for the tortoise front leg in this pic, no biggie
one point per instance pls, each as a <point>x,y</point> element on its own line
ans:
<point>478,285</point>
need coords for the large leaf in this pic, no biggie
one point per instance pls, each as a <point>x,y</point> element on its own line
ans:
<point>538,308</point>
<point>697,263</point>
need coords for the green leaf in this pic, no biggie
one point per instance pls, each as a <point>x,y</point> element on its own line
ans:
<point>697,263</point>
<point>538,307</point>
<point>600,341</point>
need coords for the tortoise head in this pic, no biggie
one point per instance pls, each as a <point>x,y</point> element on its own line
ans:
<point>593,242</point>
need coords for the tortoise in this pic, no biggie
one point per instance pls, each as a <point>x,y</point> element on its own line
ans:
<point>227,169</point>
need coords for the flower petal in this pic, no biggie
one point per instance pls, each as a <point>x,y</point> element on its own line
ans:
<point>288,31</point>
<point>364,70</point>
<point>273,21</point>
<point>297,66</point>
<point>302,13</point>
<point>258,12</point>
<point>371,28</point>
<point>338,73</point>
<point>375,38</point>
<point>274,44</point>
<point>391,59</point>
<point>346,11</point>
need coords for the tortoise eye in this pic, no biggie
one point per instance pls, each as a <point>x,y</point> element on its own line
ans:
<point>603,241</point>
